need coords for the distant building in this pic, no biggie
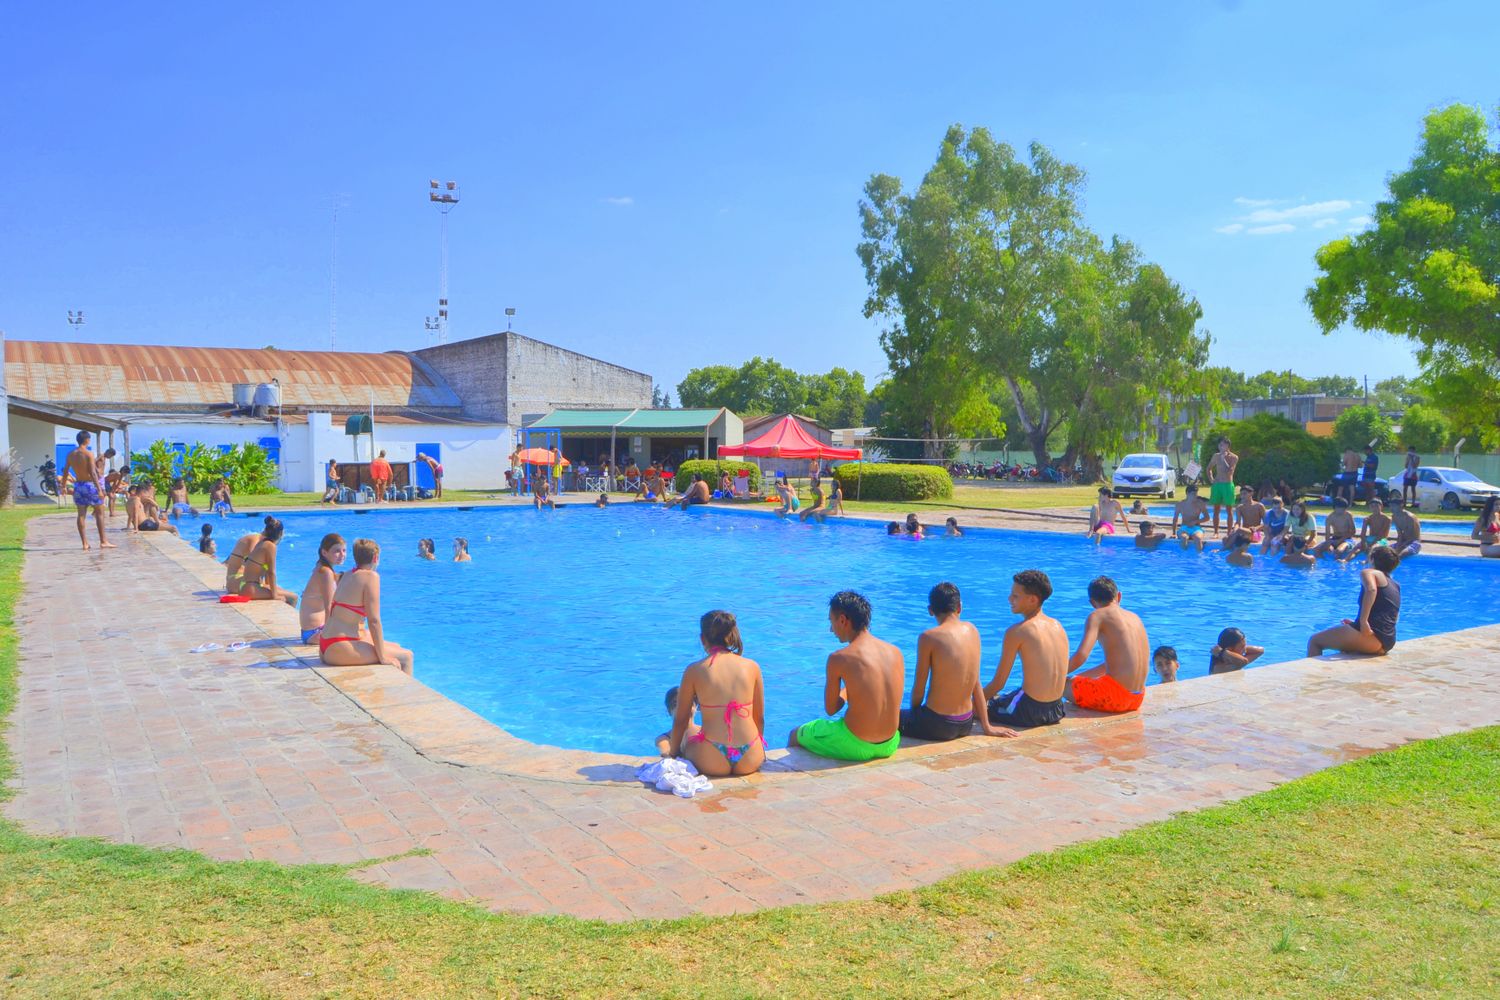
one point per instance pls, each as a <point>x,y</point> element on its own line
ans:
<point>459,403</point>
<point>1315,412</point>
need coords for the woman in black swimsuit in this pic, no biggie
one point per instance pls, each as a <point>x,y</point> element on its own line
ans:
<point>1373,631</point>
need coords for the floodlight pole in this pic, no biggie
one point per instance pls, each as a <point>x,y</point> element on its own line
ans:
<point>444,196</point>
<point>75,320</point>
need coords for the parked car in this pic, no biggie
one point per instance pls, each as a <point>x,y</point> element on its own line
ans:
<point>1383,489</point>
<point>1145,474</point>
<point>1450,489</point>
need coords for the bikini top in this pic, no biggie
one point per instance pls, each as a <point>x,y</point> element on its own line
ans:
<point>734,708</point>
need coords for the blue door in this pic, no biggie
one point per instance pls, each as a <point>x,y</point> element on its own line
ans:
<point>62,452</point>
<point>272,445</point>
<point>424,471</point>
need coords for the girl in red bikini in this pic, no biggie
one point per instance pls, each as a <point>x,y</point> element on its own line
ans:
<point>728,688</point>
<point>356,597</point>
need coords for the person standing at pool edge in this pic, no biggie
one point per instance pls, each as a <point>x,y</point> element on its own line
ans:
<point>947,695</point>
<point>1042,644</point>
<point>88,492</point>
<point>380,475</point>
<point>437,473</point>
<point>868,675</point>
<point>1221,473</point>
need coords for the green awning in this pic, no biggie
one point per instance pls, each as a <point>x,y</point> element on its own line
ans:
<point>358,423</point>
<point>640,421</point>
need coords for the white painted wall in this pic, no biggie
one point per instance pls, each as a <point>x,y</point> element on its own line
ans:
<point>32,441</point>
<point>474,456</point>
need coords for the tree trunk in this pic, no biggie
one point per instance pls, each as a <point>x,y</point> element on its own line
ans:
<point>1036,430</point>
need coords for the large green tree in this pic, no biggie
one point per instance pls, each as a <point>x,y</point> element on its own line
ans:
<point>1424,428</point>
<point>1428,269</point>
<point>1358,426</point>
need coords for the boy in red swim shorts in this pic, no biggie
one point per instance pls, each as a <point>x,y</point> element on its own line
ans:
<point>1119,683</point>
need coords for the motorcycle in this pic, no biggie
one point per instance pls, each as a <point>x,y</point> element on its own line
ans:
<point>48,471</point>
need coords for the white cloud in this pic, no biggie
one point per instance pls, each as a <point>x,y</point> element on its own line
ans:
<point>1359,222</point>
<point>1314,210</point>
<point>623,200</point>
<point>1324,223</point>
<point>1255,202</point>
<point>1280,227</point>
<point>1230,229</point>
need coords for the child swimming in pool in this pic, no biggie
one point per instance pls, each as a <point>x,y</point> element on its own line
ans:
<point>1164,659</point>
<point>425,549</point>
<point>461,550</point>
<point>893,528</point>
<point>954,531</point>
<point>1149,538</point>
<point>206,544</point>
<point>1232,653</point>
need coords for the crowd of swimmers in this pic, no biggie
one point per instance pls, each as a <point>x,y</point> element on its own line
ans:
<point>865,677</point>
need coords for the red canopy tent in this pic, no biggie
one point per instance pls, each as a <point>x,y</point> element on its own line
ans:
<point>788,439</point>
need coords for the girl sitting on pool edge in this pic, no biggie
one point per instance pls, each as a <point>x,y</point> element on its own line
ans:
<point>358,597</point>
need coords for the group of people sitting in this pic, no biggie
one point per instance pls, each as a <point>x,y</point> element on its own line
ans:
<point>339,611</point>
<point>1279,529</point>
<point>865,678</point>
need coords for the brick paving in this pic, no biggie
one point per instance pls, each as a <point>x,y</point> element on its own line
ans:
<point>120,733</point>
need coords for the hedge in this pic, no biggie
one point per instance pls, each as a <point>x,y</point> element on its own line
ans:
<point>710,470</point>
<point>888,481</point>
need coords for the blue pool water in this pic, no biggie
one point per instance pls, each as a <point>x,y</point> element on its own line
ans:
<point>567,627</point>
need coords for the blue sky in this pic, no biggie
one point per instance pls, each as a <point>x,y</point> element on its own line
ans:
<point>672,185</point>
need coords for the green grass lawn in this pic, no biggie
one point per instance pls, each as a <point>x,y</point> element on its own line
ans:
<point>1376,878</point>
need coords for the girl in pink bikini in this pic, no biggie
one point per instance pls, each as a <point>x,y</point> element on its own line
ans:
<point>729,689</point>
<point>357,598</point>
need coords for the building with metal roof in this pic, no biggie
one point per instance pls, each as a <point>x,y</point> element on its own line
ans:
<point>460,402</point>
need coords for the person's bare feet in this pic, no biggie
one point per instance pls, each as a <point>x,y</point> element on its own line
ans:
<point>107,545</point>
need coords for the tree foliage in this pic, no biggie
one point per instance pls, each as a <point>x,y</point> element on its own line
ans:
<point>762,386</point>
<point>1357,426</point>
<point>1284,384</point>
<point>993,283</point>
<point>1425,428</point>
<point>1428,269</point>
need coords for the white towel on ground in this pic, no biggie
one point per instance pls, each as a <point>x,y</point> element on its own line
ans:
<point>675,775</point>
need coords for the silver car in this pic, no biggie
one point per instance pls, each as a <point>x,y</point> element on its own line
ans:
<point>1450,489</point>
<point>1145,474</point>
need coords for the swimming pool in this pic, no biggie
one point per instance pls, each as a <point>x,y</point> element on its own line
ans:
<point>567,627</point>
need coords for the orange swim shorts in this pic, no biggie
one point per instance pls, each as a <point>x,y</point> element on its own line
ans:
<point>1105,694</point>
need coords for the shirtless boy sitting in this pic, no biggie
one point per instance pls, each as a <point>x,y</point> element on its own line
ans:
<point>868,675</point>
<point>1188,517</point>
<point>1338,532</point>
<point>1104,514</point>
<point>948,656</point>
<point>1119,683</point>
<point>1042,645</point>
<point>1408,529</point>
<point>1376,531</point>
<point>1247,517</point>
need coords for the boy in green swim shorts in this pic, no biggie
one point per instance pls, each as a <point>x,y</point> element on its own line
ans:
<point>1221,475</point>
<point>869,676</point>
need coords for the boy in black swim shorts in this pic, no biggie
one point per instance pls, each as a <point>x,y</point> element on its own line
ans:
<point>1042,644</point>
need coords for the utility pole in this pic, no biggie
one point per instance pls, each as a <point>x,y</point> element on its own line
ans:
<point>1367,390</point>
<point>444,196</point>
<point>333,283</point>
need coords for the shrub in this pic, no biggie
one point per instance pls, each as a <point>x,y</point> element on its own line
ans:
<point>710,468</point>
<point>202,466</point>
<point>251,471</point>
<point>10,468</point>
<point>1272,448</point>
<point>157,464</point>
<point>881,481</point>
<point>1424,428</point>
<point>1357,426</point>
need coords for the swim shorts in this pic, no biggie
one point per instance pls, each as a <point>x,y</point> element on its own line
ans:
<point>86,494</point>
<point>1023,712</point>
<point>832,738</point>
<point>310,635</point>
<point>1411,549</point>
<point>1221,494</point>
<point>922,723</point>
<point>1409,480</point>
<point>149,524</point>
<point>182,508</point>
<point>1105,694</point>
<point>796,503</point>
<point>1104,527</point>
<point>1190,529</point>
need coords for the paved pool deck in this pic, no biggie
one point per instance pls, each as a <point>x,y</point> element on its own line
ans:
<point>120,733</point>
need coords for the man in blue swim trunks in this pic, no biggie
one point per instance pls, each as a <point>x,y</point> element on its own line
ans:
<point>1187,519</point>
<point>88,492</point>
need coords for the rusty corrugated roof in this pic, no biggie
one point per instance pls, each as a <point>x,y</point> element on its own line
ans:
<point>132,375</point>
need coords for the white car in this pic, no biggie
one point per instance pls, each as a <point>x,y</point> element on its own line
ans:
<point>1448,488</point>
<point>1146,474</point>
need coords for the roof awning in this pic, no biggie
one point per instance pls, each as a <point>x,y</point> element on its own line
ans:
<point>639,421</point>
<point>61,415</point>
<point>358,423</point>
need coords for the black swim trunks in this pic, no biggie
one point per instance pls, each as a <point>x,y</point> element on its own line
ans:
<point>922,723</point>
<point>1016,709</point>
